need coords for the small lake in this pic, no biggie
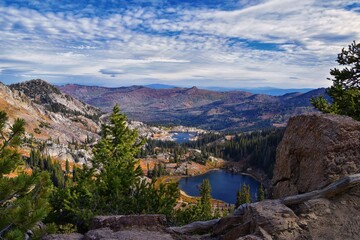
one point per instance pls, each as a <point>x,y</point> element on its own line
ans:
<point>182,137</point>
<point>224,185</point>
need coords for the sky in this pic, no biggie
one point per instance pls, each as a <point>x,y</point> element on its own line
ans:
<point>223,43</point>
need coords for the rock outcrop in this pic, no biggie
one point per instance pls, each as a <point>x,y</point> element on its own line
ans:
<point>315,151</point>
<point>70,122</point>
<point>125,227</point>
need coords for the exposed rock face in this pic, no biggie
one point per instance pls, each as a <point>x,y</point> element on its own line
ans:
<point>124,227</point>
<point>106,233</point>
<point>49,96</point>
<point>120,222</point>
<point>274,218</point>
<point>315,151</point>
<point>71,236</point>
<point>71,120</point>
<point>334,218</point>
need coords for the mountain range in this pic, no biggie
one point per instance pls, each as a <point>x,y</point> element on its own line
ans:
<point>258,90</point>
<point>74,110</point>
<point>215,110</point>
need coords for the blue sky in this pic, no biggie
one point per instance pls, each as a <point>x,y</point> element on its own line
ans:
<point>234,43</point>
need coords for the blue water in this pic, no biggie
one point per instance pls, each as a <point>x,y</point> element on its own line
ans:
<point>224,185</point>
<point>182,137</point>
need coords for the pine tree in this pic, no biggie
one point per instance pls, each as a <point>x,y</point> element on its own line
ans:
<point>23,198</point>
<point>261,193</point>
<point>238,198</point>
<point>243,195</point>
<point>205,200</point>
<point>247,195</point>
<point>345,91</point>
<point>113,184</point>
<point>67,166</point>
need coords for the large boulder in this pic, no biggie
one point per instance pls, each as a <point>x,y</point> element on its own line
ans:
<point>70,236</point>
<point>131,234</point>
<point>120,222</point>
<point>272,218</point>
<point>315,151</point>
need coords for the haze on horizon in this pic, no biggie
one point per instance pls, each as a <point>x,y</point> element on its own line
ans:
<point>225,43</point>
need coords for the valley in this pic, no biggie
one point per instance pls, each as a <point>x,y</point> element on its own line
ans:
<point>61,127</point>
<point>63,131</point>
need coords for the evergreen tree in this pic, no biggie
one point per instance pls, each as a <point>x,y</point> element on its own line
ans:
<point>238,198</point>
<point>345,91</point>
<point>261,193</point>
<point>113,184</point>
<point>243,195</point>
<point>23,198</point>
<point>67,166</point>
<point>205,200</point>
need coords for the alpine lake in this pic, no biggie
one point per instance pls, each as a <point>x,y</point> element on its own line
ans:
<point>224,185</point>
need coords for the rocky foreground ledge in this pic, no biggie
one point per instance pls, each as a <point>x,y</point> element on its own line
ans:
<point>316,181</point>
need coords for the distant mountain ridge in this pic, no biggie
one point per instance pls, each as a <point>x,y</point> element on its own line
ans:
<point>230,110</point>
<point>256,90</point>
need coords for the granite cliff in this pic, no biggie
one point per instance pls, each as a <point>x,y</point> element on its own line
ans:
<point>316,185</point>
<point>315,151</point>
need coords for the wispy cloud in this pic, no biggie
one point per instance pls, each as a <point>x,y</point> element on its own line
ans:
<point>282,43</point>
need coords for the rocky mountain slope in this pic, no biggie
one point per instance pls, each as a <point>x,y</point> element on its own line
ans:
<point>45,94</point>
<point>50,114</point>
<point>317,177</point>
<point>233,110</point>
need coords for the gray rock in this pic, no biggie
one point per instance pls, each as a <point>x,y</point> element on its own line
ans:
<point>133,234</point>
<point>71,236</point>
<point>272,218</point>
<point>120,222</point>
<point>315,151</point>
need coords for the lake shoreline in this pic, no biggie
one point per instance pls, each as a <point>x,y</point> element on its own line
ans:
<point>224,184</point>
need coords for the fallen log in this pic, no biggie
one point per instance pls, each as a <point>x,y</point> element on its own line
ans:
<point>331,190</point>
<point>195,227</point>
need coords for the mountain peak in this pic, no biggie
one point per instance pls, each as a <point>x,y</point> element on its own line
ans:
<point>35,88</point>
<point>42,92</point>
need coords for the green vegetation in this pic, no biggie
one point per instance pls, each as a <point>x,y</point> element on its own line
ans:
<point>158,171</point>
<point>205,193</point>
<point>345,91</point>
<point>113,184</point>
<point>23,197</point>
<point>257,148</point>
<point>40,163</point>
<point>200,211</point>
<point>261,193</point>
<point>243,196</point>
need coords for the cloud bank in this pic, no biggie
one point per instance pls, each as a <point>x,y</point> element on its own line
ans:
<point>278,43</point>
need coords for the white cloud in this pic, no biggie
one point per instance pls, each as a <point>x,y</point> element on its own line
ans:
<point>145,44</point>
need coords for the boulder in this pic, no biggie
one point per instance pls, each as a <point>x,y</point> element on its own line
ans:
<point>70,236</point>
<point>272,218</point>
<point>227,223</point>
<point>315,151</point>
<point>120,222</point>
<point>131,234</point>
